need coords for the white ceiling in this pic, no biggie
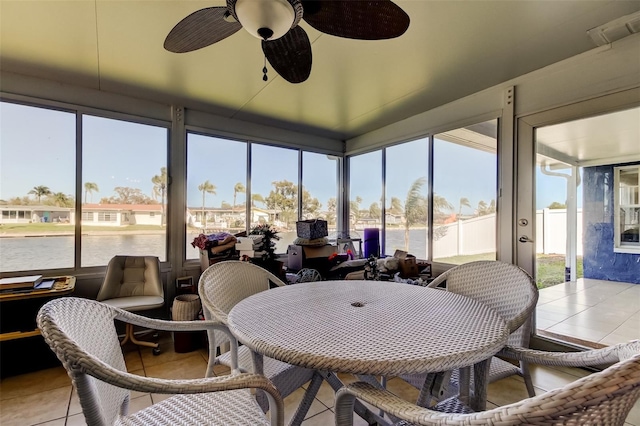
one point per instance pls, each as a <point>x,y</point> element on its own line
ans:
<point>605,139</point>
<point>451,49</point>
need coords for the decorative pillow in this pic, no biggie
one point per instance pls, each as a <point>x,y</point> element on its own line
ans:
<point>314,242</point>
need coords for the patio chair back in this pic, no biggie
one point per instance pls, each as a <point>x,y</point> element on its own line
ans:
<point>82,334</point>
<point>224,284</point>
<point>505,287</point>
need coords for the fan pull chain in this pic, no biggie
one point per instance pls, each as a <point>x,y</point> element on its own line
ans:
<point>264,70</point>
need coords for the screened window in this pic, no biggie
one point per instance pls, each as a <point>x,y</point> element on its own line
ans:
<point>37,169</point>
<point>107,217</point>
<point>274,183</point>
<point>365,192</point>
<point>124,164</point>
<point>627,208</point>
<point>216,187</point>
<point>319,190</point>
<point>465,171</point>
<point>406,198</point>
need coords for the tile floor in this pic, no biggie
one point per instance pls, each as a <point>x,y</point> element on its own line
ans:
<point>594,312</point>
<point>47,398</point>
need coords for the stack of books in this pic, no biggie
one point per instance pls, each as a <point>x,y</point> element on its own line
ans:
<point>25,283</point>
<point>250,246</point>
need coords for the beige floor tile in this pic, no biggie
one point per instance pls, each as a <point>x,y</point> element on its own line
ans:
<point>552,378</point>
<point>74,404</point>
<point>133,359</point>
<point>326,394</point>
<point>35,408</point>
<point>403,389</point>
<point>190,367</point>
<point>614,338</point>
<point>629,328</point>
<point>634,416</point>
<point>324,418</point>
<point>221,370</point>
<point>544,324</point>
<point>36,382</point>
<point>584,333</point>
<point>506,391</point>
<point>158,397</point>
<point>140,403</point>
<point>76,420</point>
<point>292,401</point>
<point>167,354</point>
<point>57,422</point>
<point>587,319</point>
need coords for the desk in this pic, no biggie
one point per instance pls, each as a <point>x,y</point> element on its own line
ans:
<point>368,327</point>
<point>22,347</point>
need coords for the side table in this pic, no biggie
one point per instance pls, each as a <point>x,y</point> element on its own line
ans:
<point>22,348</point>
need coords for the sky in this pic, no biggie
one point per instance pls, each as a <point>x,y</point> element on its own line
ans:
<point>118,153</point>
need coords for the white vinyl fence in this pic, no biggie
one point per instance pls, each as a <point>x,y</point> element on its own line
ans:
<point>478,235</point>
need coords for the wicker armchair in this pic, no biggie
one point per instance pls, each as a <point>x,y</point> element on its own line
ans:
<point>513,294</point>
<point>221,286</point>
<point>603,398</point>
<point>81,332</point>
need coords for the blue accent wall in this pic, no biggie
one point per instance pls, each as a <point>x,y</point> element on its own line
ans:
<point>599,260</point>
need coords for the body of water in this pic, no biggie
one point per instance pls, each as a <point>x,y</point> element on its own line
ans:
<point>56,252</point>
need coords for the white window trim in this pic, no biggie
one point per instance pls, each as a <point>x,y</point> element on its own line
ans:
<point>618,246</point>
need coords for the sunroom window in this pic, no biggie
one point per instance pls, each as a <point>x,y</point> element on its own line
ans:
<point>627,209</point>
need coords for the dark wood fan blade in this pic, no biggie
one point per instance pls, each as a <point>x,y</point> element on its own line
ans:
<point>290,55</point>
<point>359,19</point>
<point>200,29</point>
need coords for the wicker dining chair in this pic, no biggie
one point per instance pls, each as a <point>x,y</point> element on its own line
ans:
<point>221,286</point>
<point>603,398</point>
<point>513,294</point>
<point>82,334</point>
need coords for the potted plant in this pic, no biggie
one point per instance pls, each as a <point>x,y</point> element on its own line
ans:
<point>269,259</point>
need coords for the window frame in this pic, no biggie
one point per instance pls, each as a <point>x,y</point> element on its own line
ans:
<point>618,245</point>
<point>79,111</point>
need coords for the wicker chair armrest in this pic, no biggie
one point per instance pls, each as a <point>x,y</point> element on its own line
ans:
<point>438,280</point>
<point>608,355</point>
<point>214,313</point>
<point>389,403</point>
<point>166,325</point>
<point>198,325</point>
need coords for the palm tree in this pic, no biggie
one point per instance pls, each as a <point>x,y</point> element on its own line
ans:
<point>160,188</point>
<point>89,187</point>
<point>415,208</point>
<point>354,209</point>
<point>61,199</point>
<point>396,206</point>
<point>374,211</point>
<point>256,198</point>
<point>239,187</point>
<point>207,188</point>
<point>464,201</point>
<point>39,191</point>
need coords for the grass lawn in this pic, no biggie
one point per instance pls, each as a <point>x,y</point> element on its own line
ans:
<point>550,269</point>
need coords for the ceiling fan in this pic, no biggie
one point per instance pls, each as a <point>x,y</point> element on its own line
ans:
<point>286,45</point>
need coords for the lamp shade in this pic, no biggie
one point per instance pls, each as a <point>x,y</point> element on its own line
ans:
<point>265,19</point>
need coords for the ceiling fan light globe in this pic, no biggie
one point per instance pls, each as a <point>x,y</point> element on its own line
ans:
<point>275,15</point>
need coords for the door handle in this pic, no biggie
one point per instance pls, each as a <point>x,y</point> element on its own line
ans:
<point>525,239</point>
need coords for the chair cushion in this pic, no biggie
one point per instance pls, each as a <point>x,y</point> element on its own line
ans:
<point>136,303</point>
<point>225,408</point>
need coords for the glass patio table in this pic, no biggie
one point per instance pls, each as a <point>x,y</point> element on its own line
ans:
<point>369,328</point>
